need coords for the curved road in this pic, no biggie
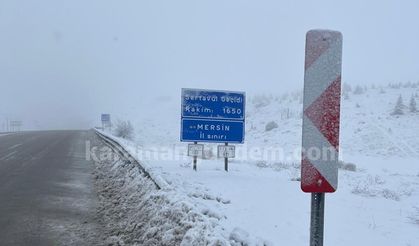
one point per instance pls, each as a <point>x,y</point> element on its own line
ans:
<point>47,194</point>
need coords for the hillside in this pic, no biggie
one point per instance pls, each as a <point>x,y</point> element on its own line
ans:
<point>367,126</point>
<point>259,201</point>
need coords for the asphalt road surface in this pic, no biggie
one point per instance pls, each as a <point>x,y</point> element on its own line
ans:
<point>47,194</point>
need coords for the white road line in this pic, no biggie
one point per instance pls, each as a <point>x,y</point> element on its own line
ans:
<point>8,156</point>
<point>14,146</point>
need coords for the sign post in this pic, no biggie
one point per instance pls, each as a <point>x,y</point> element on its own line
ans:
<point>226,151</point>
<point>317,219</point>
<point>321,119</point>
<point>195,150</point>
<point>106,121</point>
<point>212,116</point>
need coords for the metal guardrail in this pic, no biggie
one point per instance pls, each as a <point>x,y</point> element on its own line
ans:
<point>125,155</point>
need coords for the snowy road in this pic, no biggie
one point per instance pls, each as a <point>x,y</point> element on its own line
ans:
<point>47,194</point>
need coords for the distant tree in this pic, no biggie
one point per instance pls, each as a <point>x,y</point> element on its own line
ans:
<point>382,91</point>
<point>407,84</point>
<point>346,87</point>
<point>395,85</point>
<point>398,109</point>
<point>358,90</point>
<point>345,95</point>
<point>412,105</point>
<point>284,97</point>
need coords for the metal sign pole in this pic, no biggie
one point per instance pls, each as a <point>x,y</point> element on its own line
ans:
<point>226,159</point>
<point>317,219</point>
<point>194,159</point>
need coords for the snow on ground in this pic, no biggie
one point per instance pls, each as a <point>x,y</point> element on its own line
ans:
<point>260,197</point>
<point>137,213</point>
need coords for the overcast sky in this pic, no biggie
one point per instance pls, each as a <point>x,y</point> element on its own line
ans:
<point>64,62</point>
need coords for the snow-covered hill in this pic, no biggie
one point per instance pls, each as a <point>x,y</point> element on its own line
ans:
<point>367,126</point>
<point>376,201</point>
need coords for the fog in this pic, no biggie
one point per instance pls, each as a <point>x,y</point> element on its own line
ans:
<point>62,63</point>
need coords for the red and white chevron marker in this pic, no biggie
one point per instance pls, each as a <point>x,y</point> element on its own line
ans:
<point>322,83</point>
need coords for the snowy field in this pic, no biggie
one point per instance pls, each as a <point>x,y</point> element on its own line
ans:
<point>259,200</point>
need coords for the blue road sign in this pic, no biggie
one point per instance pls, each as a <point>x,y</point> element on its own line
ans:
<point>212,116</point>
<point>213,104</point>
<point>105,117</point>
<point>219,131</point>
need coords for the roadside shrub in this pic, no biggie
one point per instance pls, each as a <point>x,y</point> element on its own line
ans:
<point>389,194</point>
<point>262,164</point>
<point>347,166</point>
<point>279,166</point>
<point>363,189</point>
<point>261,101</point>
<point>270,126</point>
<point>124,129</point>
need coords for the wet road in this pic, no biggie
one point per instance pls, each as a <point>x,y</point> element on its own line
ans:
<point>47,194</point>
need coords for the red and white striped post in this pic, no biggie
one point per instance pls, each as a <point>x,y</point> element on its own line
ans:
<point>321,115</point>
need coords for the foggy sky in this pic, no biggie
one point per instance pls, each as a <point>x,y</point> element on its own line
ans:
<point>62,63</point>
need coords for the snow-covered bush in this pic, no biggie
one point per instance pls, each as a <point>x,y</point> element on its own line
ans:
<point>262,164</point>
<point>363,190</point>
<point>368,187</point>
<point>271,125</point>
<point>124,129</point>
<point>347,166</point>
<point>389,194</point>
<point>279,166</point>
<point>378,180</point>
<point>261,101</point>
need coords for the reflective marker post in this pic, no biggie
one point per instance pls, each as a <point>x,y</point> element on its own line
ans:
<point>321,120</point>
<point>317,219</point>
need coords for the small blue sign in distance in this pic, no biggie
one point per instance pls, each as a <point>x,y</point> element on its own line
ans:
<point>218,131</point>
<point>106,117</point>
<point>210,104</point>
